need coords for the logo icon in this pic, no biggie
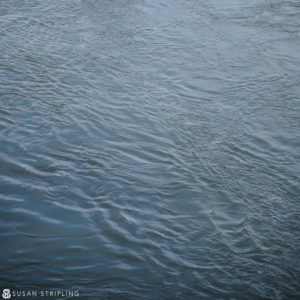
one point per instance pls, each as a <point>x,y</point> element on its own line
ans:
<point>6,294</point>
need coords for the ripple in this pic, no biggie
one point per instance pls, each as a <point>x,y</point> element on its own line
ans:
<point>150,150</point>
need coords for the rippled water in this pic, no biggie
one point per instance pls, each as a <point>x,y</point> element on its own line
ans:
<point>150,148</point>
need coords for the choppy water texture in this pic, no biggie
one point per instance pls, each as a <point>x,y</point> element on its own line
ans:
<point>150,148</point>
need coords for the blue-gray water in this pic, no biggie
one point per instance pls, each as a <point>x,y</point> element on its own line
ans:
<point>150,149</point>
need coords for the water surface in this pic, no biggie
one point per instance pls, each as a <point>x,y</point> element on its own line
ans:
<point>150,148</point>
